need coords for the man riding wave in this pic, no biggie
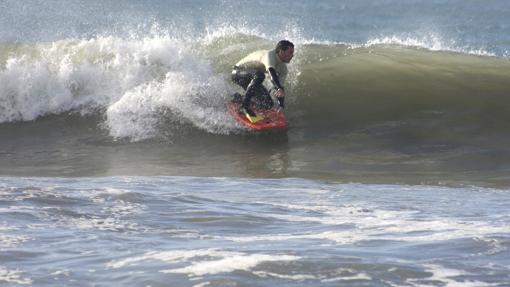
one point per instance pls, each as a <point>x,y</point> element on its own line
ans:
<point>250,73</point>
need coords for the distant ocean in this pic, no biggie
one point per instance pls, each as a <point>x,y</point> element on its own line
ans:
<point>120,165</point>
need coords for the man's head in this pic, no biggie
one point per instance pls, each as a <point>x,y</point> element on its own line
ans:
<point>285,50</point>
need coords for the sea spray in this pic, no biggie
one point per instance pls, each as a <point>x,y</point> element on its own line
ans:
<point>116,75</point>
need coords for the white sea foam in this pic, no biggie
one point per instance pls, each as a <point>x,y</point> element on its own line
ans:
<point>346,275</point>
<point>136,80</point>
<point>64,272</point>
<point>242,262</point>
<point>187,89</point>
<point>13,277</point>
<point>170,80</point>
<point>360,276</point>
<point>171,256</point>
<point>204,261</point>
<point>448,277</point>
<point>388,229</point>
<point>4,227</point>
<point>364,221</point>
<point>295,277</point>
<point>115,191</point>
<point>10,241</point>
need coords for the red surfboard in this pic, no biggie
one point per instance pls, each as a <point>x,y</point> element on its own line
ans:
<point>269,119</point>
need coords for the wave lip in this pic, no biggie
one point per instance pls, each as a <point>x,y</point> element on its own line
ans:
<point>431,42</point>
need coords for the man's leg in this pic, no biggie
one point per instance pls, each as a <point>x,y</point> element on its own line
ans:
<point>252,89</point>
<point>263,98</point>
<point>241,77</point>
<point>251,81</point>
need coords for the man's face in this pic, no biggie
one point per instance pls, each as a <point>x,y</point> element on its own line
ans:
<point>286,55</point>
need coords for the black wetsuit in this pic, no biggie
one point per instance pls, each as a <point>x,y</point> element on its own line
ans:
<point>249,73</point>
<point>251,81</point>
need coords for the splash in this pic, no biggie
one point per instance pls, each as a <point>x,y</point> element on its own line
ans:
<point>134,80</point>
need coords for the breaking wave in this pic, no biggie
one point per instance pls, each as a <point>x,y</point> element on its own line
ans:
<point>144,86</point>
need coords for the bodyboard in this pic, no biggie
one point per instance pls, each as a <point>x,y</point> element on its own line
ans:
<point>268,119</point>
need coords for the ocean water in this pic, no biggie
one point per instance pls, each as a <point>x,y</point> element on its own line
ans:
<point>197,231</point>
<point>120,165</point>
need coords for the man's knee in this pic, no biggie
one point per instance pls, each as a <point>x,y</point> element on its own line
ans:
<point>235,78</point>
<point>245,78</point>
<point>258,77</point>
<point>240,79</point>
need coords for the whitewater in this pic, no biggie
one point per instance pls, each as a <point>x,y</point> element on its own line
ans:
<point>120,164</point>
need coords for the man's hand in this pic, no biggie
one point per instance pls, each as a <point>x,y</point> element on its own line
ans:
<point>280,93</point>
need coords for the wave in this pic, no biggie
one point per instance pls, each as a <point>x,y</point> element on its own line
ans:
<point>144,86</point>
<point>134,82</point>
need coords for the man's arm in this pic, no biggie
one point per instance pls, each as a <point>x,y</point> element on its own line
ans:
<point>270,62</point>
<point>274,78</point>
<point>280,95</point>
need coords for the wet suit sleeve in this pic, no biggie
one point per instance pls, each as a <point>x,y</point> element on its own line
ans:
<point>270,63</point>
<point>276,82</point>
<point>274,78</point>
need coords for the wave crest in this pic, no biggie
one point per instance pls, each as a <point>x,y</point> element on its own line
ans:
<point>129,78</point>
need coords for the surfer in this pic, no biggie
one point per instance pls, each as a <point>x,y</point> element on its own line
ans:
<point>250,73</point>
